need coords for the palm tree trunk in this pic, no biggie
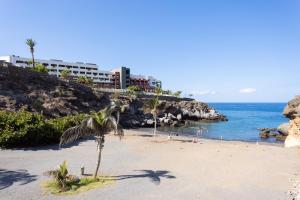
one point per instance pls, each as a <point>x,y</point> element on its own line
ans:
<point>33,62</point>
<point>100,146</point>
<point>155,124</point>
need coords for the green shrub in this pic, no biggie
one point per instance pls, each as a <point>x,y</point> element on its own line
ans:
<point>84,80</point>
<point>134,88</point>
<point>61,124</point>
<point>24,129</point>
<point>40,68</point>
<point>65,73</point>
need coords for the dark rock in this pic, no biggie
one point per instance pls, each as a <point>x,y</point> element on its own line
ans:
<point>280,137</point>
<point>271,132</point>
<point>283,129</point>
<point>264,134</point>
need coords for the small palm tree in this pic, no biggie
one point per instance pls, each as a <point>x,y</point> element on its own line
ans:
<point>97,124</point>
<point>31,44</point>
<point>60,176</point>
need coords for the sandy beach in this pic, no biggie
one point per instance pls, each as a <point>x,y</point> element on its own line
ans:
<point>158,168</point>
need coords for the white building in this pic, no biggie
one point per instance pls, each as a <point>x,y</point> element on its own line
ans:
<point>119,78</point>
<point>55,67</point>
<point>153,82</point>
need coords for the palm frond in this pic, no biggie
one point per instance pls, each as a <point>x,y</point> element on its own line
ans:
<point>115,126</point>
<point>30,42</point>
<point>99,124</point>
<point>86,128</point>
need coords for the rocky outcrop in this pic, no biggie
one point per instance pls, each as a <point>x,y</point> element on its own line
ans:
<point>292,111</point>
<point>169,113</point>
<point>24,89</point>
<point>266,133</point>
<point>293,139</point>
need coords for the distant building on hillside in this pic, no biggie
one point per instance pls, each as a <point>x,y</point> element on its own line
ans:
<point>146,83</point>
<point>119,78</point>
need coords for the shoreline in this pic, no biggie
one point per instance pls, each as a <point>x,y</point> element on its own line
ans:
<point>149,131</point>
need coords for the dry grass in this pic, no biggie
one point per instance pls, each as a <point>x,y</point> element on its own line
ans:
<point>85,184</point>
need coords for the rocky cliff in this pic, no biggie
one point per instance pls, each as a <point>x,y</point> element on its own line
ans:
<point>292,111</point>
<point>24,89</point>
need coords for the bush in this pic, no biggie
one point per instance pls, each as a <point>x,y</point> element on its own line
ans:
<point>65,73</point>
<point>40,68</point>
<point>84,80</point>
<point>24,129</point>
<point>134,88</point>
<point>61,124</point>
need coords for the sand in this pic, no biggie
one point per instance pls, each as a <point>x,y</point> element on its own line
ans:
<point>159,168</point>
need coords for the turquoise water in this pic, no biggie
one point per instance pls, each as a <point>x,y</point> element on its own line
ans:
<point>244,119</point>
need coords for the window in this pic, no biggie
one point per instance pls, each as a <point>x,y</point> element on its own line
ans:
<point>53,65</point>
<point>61,66</point>
<point>82,73</point>
<point>75,67</point>
<point>82,67</point>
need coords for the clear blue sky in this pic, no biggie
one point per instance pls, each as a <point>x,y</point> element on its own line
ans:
<point>222,51</point>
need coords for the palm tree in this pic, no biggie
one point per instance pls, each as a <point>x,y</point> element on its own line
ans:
<point>97,124</point>
<point>154,102</point>
<point>31,44</point>
<point>153,105</point>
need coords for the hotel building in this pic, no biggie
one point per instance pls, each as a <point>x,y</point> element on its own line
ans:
<point>118,78</point>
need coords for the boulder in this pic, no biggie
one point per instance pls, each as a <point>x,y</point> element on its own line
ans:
<point>269,132</point>
<point>170,116</point>
<point>292,109</point>
<point>283,129</point>
<point>280,137</point>
<point>179,117</point>
<point>150,121</point>
<point>264,134</point>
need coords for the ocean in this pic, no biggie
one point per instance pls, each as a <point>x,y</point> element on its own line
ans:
<point>244,119</point>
